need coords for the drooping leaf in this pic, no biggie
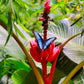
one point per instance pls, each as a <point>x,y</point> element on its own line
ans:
<point>3,19</point>
<point>19,32</point>
<point>6,7</point>
<point>19,8</point>
<point>17,64</point>
<point>22,26</point>
<point>2,69</point>
<point>9,27</point>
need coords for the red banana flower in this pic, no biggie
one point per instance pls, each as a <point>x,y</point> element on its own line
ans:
<point>47,55</point>
<point>47,7</point>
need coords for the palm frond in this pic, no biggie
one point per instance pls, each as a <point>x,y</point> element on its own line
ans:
<point>63,31</point>
<point>75,48</point>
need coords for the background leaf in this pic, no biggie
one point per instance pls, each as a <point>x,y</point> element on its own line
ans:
<point>2,69</point>
<point>12,48</point>
<point>19,32</point>
<point>23,77</point>
<point>17,64</point>
<point>24,28</point>
<point>76,46</point>
<point>9,27</point>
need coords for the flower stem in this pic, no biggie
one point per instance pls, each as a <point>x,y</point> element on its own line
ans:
<point>37,74</point>
<point>52,71</point>
<point>44,72</point>
<point>45,24</point>
<point>69,40</point>
<point>45,33</point>
<point>73,72</point>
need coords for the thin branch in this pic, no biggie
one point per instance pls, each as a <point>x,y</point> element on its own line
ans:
<point>73,72</point>
<point>50,78</point>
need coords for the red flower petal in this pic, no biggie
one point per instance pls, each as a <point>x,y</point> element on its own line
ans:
<point>47,7</point>
<point>34,51</point>
<point>34,54</point>
<point>33,43</point>
<point>46,3</point>
<point>54,55</point>
<point>41,18</point>
<point>44,54</point>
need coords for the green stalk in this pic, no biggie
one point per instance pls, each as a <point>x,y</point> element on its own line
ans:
<point>73,72</point>
<point>37,74</point>
<point>69,40</point>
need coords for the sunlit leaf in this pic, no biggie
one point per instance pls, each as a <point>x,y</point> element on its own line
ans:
<point>23,26</point>
<point>19,8</point>
<point>23,77</point>
<point>19,32</point>
<point>6,8</point>
<point>17,64</point>
<point>3,19</point>
<point>49,64</point>
<point>54,6</point>
<point>22,3</point>
<point>12,48</point>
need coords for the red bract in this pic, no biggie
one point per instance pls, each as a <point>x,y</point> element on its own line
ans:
<point>45,12</point>
<point>47,7</point>
<point>47,55</point>
<point>41,18</point>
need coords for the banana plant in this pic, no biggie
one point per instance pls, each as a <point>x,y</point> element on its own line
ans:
<point>43,49</point>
